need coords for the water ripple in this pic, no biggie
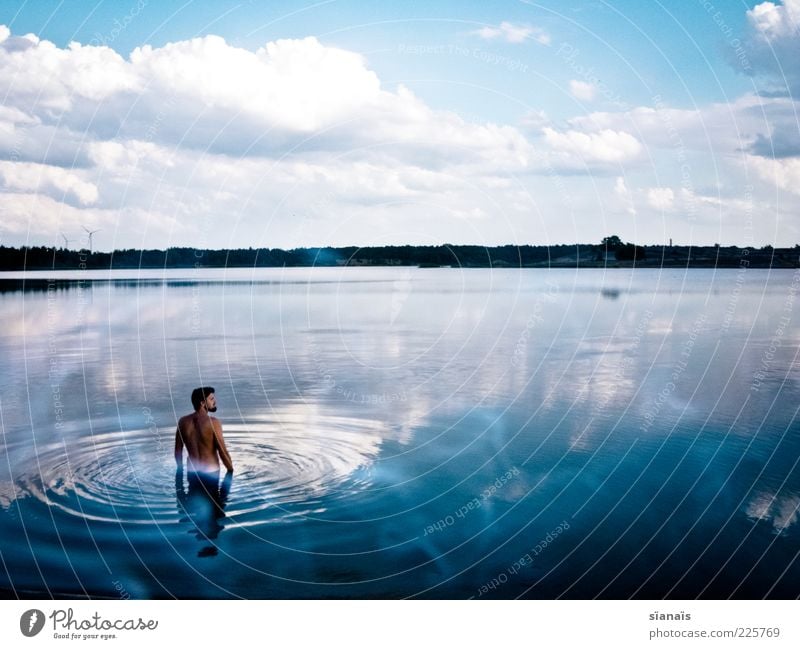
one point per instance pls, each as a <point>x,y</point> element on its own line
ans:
<point>285,466</point>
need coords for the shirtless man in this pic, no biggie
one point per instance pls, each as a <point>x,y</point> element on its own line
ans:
<point>201,434</point>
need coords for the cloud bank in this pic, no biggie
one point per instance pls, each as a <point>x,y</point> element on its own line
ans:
<point>181,134</point>
<point>200,142</point>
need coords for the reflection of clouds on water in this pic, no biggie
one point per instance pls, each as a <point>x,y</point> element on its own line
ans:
<point>448,379</point>
<point>408,416</point>
<point>781,511</point>
<point>8,494</point>
<point>401,288</point>
<point>609,372</point>
<point>661,326</point>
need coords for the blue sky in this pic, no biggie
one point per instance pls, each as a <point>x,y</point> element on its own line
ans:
<point>333,123</point>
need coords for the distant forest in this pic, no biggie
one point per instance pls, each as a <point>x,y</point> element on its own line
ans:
<point>610,252</point>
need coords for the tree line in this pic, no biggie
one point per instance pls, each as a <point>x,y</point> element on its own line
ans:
<point>610,251</point>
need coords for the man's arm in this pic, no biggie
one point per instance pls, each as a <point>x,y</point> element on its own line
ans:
<point>178,448</point>
<point>221,448</point>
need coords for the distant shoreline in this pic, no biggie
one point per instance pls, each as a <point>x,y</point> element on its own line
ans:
<point>454,256</point>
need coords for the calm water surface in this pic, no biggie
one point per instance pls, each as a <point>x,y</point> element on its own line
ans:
<point>404,432</point>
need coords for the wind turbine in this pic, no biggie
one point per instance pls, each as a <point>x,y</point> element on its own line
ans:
<point>66,241</point>
<point>90,233</point>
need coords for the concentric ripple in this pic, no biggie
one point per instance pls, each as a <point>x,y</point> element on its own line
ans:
<point>285,465</point>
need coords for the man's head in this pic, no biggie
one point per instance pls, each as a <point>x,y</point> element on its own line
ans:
<point>204,398</point>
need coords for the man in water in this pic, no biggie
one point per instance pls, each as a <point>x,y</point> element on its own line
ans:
<point>201,434</point>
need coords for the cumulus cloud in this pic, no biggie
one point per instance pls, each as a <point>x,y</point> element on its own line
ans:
<point>48,81</point>
<point>781,173</point>
<point>624,195</point>
<point>201,127</point>
<point>35,215</point>
<point>661,198</point>
<point>158,146</point>
<point>31,177</point>
<point>194,90</point>
<point>290,95</point>
<point>773,45</point>
<point>512,33</point>
<point>762,125</point>
<point>772,21</point>
<point>296,85</point>
<point>582,90</point>
<point>603,146</point>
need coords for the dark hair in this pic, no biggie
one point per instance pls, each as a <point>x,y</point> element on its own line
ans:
<point>199,395</point>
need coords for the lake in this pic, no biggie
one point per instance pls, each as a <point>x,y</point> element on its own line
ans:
<point>404,432</point>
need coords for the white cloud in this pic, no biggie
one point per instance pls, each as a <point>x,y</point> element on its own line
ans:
<point>161,146</point>
<point>512,33</point>
<point>772,21</point>
<point>48,80</point>
<point>582,90</point>
<point>291,95</point>
<point>603,146</point>
<point>297,85</point>
<point>176,197</point>
<point>38,219</point>
<point>40,215</point>
<point>764,125</point>
<point>622,192</point>
<point>38,178</point>
<point>661,198</point>
<point>200,127</point>
<point>780,173</point>
<point>773,46</point>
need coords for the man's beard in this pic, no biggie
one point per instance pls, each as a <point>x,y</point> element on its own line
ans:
<point>214,409</point>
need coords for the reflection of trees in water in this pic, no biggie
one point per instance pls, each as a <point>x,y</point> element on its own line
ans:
<point>203,505</point>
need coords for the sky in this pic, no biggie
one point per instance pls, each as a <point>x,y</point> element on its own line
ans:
<point>223,124</point>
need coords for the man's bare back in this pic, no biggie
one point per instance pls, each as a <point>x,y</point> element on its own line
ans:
<point>201,435</point>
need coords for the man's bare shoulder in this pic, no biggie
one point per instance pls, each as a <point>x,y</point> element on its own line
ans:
<point>184,419</point>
